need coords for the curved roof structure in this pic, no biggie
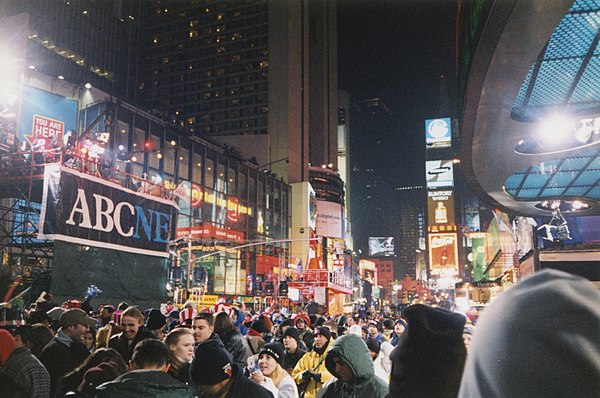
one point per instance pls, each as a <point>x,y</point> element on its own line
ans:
<point>531,119</point>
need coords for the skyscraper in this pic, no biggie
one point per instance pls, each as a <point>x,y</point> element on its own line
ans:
<point>258,75</point>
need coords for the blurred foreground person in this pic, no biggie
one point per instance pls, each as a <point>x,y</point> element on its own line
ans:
<point>147,377</point>
<point>430,355</point>
<point>23,375</point>
<point>541,338</point>
<point>350,362</point>
<point>216,374</point>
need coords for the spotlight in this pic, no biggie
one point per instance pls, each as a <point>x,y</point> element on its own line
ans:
<point>173,142</point>
<point>88,86</point>
<point>159,155</point>
<point>32,67</point>
<point>121,147</point>
<point>61,77</point>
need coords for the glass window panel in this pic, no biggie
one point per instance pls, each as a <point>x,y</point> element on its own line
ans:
<point>184,157</point>
<point>231,181</point>
<point>197,168</point>
<point>209,171</point>
<point>153,160</point>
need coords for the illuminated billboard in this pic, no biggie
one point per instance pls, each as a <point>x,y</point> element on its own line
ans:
<point>443,254</point>
<point>330,219</point>
<point>438,132</point>
<point>440,207</point>
<point>381,246</point>
<point>439,173</point>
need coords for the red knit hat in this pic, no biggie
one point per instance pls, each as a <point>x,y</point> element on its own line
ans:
<point>7,345</point>
<point>302,316</point>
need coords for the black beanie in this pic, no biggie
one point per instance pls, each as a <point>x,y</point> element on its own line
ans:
<point>259,325</point>
<point>212,363</point>
<point>156,319</point>
<point>292,332</point>
<point>287,322</point>
<point>323,331</point>
<point>275,350</point>
<point>430,355</point>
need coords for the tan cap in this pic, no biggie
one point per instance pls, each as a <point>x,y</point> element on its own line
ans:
<point>74,316</point>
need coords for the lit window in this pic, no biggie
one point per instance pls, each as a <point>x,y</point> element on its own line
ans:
<point>264,64</point>
<point>155,40</point>
<point>193,33</point>
<point>165,60</point>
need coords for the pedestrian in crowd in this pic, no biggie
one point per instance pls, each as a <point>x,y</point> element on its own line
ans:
<point>147,377</point>
<point>467,335</point>
<point>106,311</point>
<point>272,375</point>
<point>66,351</point>
<point>351,364</point>
<point>374,332</point>
<point>134,331</point>
<point>203,327</point>
<point>399,328</point>
<point>540,338</point>
<point>333,328</point>
<point>388,328</point>
<point>180,343</point>
<point>232,339</point>
<point>293,349</point>
<point>22,375</point>
<point>283,326</point>
<point>72,380</point>
<point>94,377</point>
<point>89,340</point>
<point>106,332</point>
<point>310,372</point>
<point>429,358</point>
<point>262,328</point>
<point>40,336</point>
<point>302,323</point>
<point>374,347</point>
<point>216,374</point>
<point>156,322</point>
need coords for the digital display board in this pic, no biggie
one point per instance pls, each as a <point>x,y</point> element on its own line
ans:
<point>443,253</point>
<point>381,246</point>
<point>440,206</point>
<point>438,133</point>
<point>439,173</point>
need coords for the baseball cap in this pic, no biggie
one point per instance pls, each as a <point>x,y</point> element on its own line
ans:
<point>74,316</point>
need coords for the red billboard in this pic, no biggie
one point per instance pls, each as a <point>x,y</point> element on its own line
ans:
<point>443,254</point>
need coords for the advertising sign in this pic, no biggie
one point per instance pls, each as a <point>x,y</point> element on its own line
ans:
<point>443,253</point>
<point>438,132</point>
<point>381,246</point>
<point>479,259</point>
<point>209,231</point>
<point>45,118</point>
<point>440,206</point>
<point>439,173</point>
<point>83,209</point>
<point>330,219</point>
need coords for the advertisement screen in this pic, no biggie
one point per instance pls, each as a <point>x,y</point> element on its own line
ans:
<point>440,206</point>
<point>439,173</point>
<point>330,219</point>
<point>438,132</point>
<point>443,253</point>
<point>381,246</point>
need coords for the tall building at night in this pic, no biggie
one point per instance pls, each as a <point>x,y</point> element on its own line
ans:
<point>82,41</point>
<point>410,229</point>
<point>258,75</point>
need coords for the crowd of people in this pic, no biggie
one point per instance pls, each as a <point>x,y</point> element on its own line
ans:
<point>540,338</point>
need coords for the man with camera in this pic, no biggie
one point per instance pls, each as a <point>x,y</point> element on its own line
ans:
<point>310,372</point>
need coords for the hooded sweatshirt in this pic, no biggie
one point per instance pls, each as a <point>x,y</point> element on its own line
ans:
<point>353,351</point>
<point>540,338</point>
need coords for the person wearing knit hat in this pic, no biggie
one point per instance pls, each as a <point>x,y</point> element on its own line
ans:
<point>349,361</point>
<point>310,372</point>
<point>294,348</point>
<point>376,353</point>
<point>215,373</point>
<point>302,323</point>
<point>540,338</point>
<point>430,355</point>
<point>156,323</point>
<point>272,375</point>
<point>7,345</point>
<point>467,335</point>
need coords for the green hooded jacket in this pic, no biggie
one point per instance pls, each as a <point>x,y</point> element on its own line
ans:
<point>353,351</point>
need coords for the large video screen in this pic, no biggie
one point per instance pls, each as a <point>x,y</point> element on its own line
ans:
<point>438,132</point>
<point>381,246</point>
<point>439,173</point>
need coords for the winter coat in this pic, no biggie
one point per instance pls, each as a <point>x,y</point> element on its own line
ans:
<point>121,344</point>
<point>540,338</point>
<point>316,363</point>
<point>353,351</point>
<point>237,346</point>
<point>243,387</point>
<point>142,384</point>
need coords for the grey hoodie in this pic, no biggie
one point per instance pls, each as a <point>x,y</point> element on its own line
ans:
<point>353,351</point>
<point>540,338</point>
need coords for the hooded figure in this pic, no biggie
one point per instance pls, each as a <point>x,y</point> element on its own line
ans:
<point>541,338</point>
<point>349,361</point>
<point>430,356</point>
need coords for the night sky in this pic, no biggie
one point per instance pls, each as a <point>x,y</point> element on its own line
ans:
<point>397,50</point>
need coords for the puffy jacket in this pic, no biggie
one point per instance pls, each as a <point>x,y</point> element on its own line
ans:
<point>121,344</point>
<point>353,351</point>
<point>316,363</point>
<point>142,384</point>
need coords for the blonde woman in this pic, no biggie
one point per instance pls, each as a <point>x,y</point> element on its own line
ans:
<point>272,375</point>
<point>180,343</point>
